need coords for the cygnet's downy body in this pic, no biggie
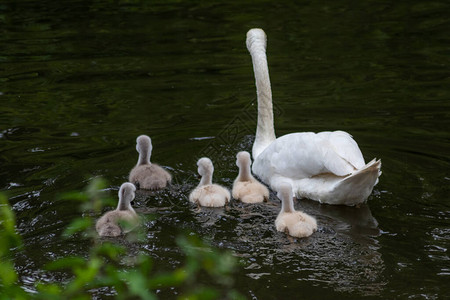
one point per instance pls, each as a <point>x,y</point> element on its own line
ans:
<point>109,224</point>
<point>208,193</point>
<point>146,175</point>
<point>246,188</point>
<point>294,223</point>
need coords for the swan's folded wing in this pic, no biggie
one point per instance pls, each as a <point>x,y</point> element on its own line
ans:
<point>295,156</point>
<point>346,147</point>
<point>306,154</point>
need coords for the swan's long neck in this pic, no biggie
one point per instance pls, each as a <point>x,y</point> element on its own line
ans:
<point>125,202</point>
<point>144,156</point>
<point>265,132</point>
<point>244,172</point>
<point>124,205</point>
<point>206,178</point>
<point>287,204</point>
<point>126,195</point>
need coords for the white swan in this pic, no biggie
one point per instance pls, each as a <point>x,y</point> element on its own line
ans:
<point>146,175</point>
<point>108,224</point>
<point>326,166</point>
<point>294,223</point>
<point>207,193</point>
<point>246,188</point>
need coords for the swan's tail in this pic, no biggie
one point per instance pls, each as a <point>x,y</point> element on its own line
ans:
<point>356,188</point>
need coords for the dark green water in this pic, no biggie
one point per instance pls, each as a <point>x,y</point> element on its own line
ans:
<point>80,80</point>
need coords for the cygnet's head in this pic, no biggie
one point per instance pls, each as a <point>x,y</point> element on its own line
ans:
<point>205,166</point>
<point>243,159</point>
<point>285,191</point>
<point>143,144</point>
<point>256,37</point>
<point>127,192</point>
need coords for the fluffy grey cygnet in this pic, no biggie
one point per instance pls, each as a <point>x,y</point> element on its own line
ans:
<point>246,188</point>
<point>108,224</point>
<point>208,193</point>
<point>146,175</point>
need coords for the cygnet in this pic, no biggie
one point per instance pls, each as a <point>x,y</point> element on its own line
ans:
<point>108,224</point>
<point>146,175</point>
<point>246,188</point>
<point>290,221</point>
<point>208,193</point>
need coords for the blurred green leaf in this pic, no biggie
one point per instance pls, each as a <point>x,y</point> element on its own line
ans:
<point>8,240</point>
<point>74,196</point>
<point>235,295</point>
<point>168,279</point>
<point>112,251</point>
<point>66,263</point>
<point>145,264</point>
<point>201,293</point>
<point>96,186</point>
<point>137,283</point>
<point>49,291</point>
<point>84,275</point>
<point>78,225</point>
<point>8,275</point>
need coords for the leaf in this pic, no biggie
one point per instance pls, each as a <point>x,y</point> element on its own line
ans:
<point>84,275</point>
<point>73,196</point>
<point>49,289</point>
<point>235,295</point>
<point>175,278</point>
<point>110,250</point>
<point>78,225</point>
<point>137,284</point>
<point>66,263</point>
<point>8,275</point>
<point>201,293</point>
<point>145,264</point>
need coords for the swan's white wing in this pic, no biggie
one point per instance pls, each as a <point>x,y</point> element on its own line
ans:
<point>344,146</point>
<point>306,154</point>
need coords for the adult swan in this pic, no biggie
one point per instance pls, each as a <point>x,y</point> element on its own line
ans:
<point>326,166</point>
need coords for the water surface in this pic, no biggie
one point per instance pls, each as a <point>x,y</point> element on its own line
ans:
<point>80,80</point>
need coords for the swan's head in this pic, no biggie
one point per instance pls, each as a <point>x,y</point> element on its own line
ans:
<point>127,193</point>
<point>256,37</point>
<point>205,166</point>
<point>143,144</point>
<point>243,159</point>
<point>285,191</point>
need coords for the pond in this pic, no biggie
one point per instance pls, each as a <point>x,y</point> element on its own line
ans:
<point>80,80</point>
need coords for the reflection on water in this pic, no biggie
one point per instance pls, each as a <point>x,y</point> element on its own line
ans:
<point>80,80</point>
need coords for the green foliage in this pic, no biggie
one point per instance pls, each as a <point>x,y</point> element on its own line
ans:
<point>9,239</point>
<point>111,265</point>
